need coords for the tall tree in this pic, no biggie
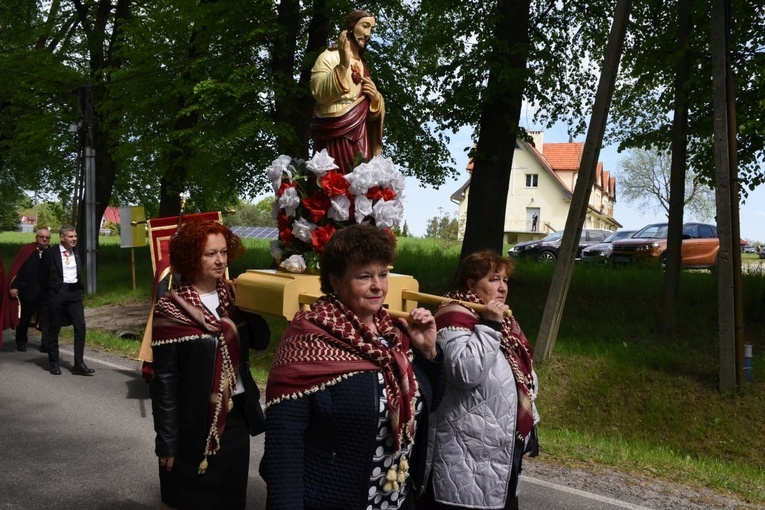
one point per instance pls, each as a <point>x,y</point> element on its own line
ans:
<point>644,180</point>
<point>501,110</point>
<point>677,169</point>
<point>645,98</point>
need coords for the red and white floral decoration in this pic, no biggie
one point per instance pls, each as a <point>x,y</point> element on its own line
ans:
<point>314,199</point>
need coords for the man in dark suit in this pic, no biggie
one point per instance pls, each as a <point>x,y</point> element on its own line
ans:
<point>60,277</point>
<point>25,292</point>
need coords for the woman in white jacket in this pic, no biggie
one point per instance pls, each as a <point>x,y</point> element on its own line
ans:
<point>486,420</point>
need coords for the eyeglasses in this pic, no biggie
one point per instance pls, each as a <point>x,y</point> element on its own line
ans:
<point>43,237</point>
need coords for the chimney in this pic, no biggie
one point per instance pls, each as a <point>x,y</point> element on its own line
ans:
<point>538,137</point>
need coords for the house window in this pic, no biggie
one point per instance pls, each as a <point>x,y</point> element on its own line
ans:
<point>532,180</point>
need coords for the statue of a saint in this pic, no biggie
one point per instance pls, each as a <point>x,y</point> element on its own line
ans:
<point>349,112</point>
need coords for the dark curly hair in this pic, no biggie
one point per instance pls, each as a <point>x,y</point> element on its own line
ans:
<point>188,245</point>
<point>477,265</point>
<point>358,244</point>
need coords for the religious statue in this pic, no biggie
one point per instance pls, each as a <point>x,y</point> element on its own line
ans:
<point>349,112</point>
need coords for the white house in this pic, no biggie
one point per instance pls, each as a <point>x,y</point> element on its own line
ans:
<point>542,181</point>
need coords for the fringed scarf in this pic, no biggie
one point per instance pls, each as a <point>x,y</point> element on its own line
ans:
<point>180,316</point>
<point>514,345</point>
<point>328,343</point>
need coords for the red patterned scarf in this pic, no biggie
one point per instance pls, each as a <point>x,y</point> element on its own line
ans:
<point>328,343</point>
<point>180,316</point>
<point>514,345</point>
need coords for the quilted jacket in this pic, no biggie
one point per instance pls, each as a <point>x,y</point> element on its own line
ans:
<point>472,433</point>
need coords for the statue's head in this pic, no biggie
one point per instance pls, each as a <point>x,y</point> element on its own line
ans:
<point>359,35</point>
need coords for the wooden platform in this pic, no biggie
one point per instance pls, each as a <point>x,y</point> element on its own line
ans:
<point>271,292</point>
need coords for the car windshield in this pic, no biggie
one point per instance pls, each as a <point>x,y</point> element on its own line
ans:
<point>622,234</point>
<point>554,236</point>
<point>652,232</point>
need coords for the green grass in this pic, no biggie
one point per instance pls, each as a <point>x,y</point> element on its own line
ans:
<point>616,392</point>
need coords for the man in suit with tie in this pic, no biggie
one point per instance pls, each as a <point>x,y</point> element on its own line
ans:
<point>25,292</point>
<point>60,276</point>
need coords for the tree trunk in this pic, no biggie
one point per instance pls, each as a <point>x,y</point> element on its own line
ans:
<point>677,172</point>
<point>173,183</point>
<point>493,158</point>
<point>293,103</point>
<point>729,300</point>
<point>103,62</point>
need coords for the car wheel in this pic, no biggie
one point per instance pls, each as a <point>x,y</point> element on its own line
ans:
<point>547,256</point>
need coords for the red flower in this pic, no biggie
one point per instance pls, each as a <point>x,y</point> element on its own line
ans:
<point>334,184</point>
<point>320,237</point>
<point>284,186</point>
<point>377,193</point>
<point>388,194</point>
<point>285,227</point>
<point>317,205</point>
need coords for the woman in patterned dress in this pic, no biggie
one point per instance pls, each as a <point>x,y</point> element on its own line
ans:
<point>350,389</point>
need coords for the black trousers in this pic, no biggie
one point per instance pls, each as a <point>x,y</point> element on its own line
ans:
<point>30,307</point>
<point>224,484</point>
<point>65,307</point>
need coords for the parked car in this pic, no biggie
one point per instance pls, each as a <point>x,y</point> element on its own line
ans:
<point>546,249</point>
<point>762,254</point>
<point>601,253</point>
<point>649,244</point>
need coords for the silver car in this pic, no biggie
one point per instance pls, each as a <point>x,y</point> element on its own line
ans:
<point>602,252</point>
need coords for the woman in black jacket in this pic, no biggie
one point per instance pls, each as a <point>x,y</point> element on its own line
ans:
<point>205,402</point>
<point>349,390</point>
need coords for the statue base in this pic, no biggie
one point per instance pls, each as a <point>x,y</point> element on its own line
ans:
<point>279,293</point>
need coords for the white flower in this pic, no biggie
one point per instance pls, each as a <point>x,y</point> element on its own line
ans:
<point>397,182</point>
<point>386,214</point>
<point>289,201</point>
<point>303,230</point>
<point>339,210</point>
<point>321,163</point>
<point>361,179</point>
<point>387,175</point>
<point>294,264</point>
<point>276,250</point>
<point>279,167</point>
<point>363,208</point>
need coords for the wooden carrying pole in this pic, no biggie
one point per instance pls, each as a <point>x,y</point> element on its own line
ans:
<point>408,295</point>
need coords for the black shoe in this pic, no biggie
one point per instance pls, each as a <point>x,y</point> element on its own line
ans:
<point>21,348</point>
<point>82,370</point>
<point>55,371</point>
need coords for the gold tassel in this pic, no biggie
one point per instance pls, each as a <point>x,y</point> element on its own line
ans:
<point>396,475</point>
<point>202,466</point>
<point>403,470</point>
<point>391,484</point>
<point>230,404</point>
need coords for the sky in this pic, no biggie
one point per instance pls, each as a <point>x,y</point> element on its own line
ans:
<point>421,204</point>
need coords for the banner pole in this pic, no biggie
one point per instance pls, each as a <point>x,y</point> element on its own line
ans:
<point>132,264</point>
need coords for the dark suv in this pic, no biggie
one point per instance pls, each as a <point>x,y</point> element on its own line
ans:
<point>546,249</point>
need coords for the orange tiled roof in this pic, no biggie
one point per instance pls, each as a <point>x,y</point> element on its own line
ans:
<point>563,156</point>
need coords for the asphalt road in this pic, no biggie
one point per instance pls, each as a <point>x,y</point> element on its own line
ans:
<point>87,442</point>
